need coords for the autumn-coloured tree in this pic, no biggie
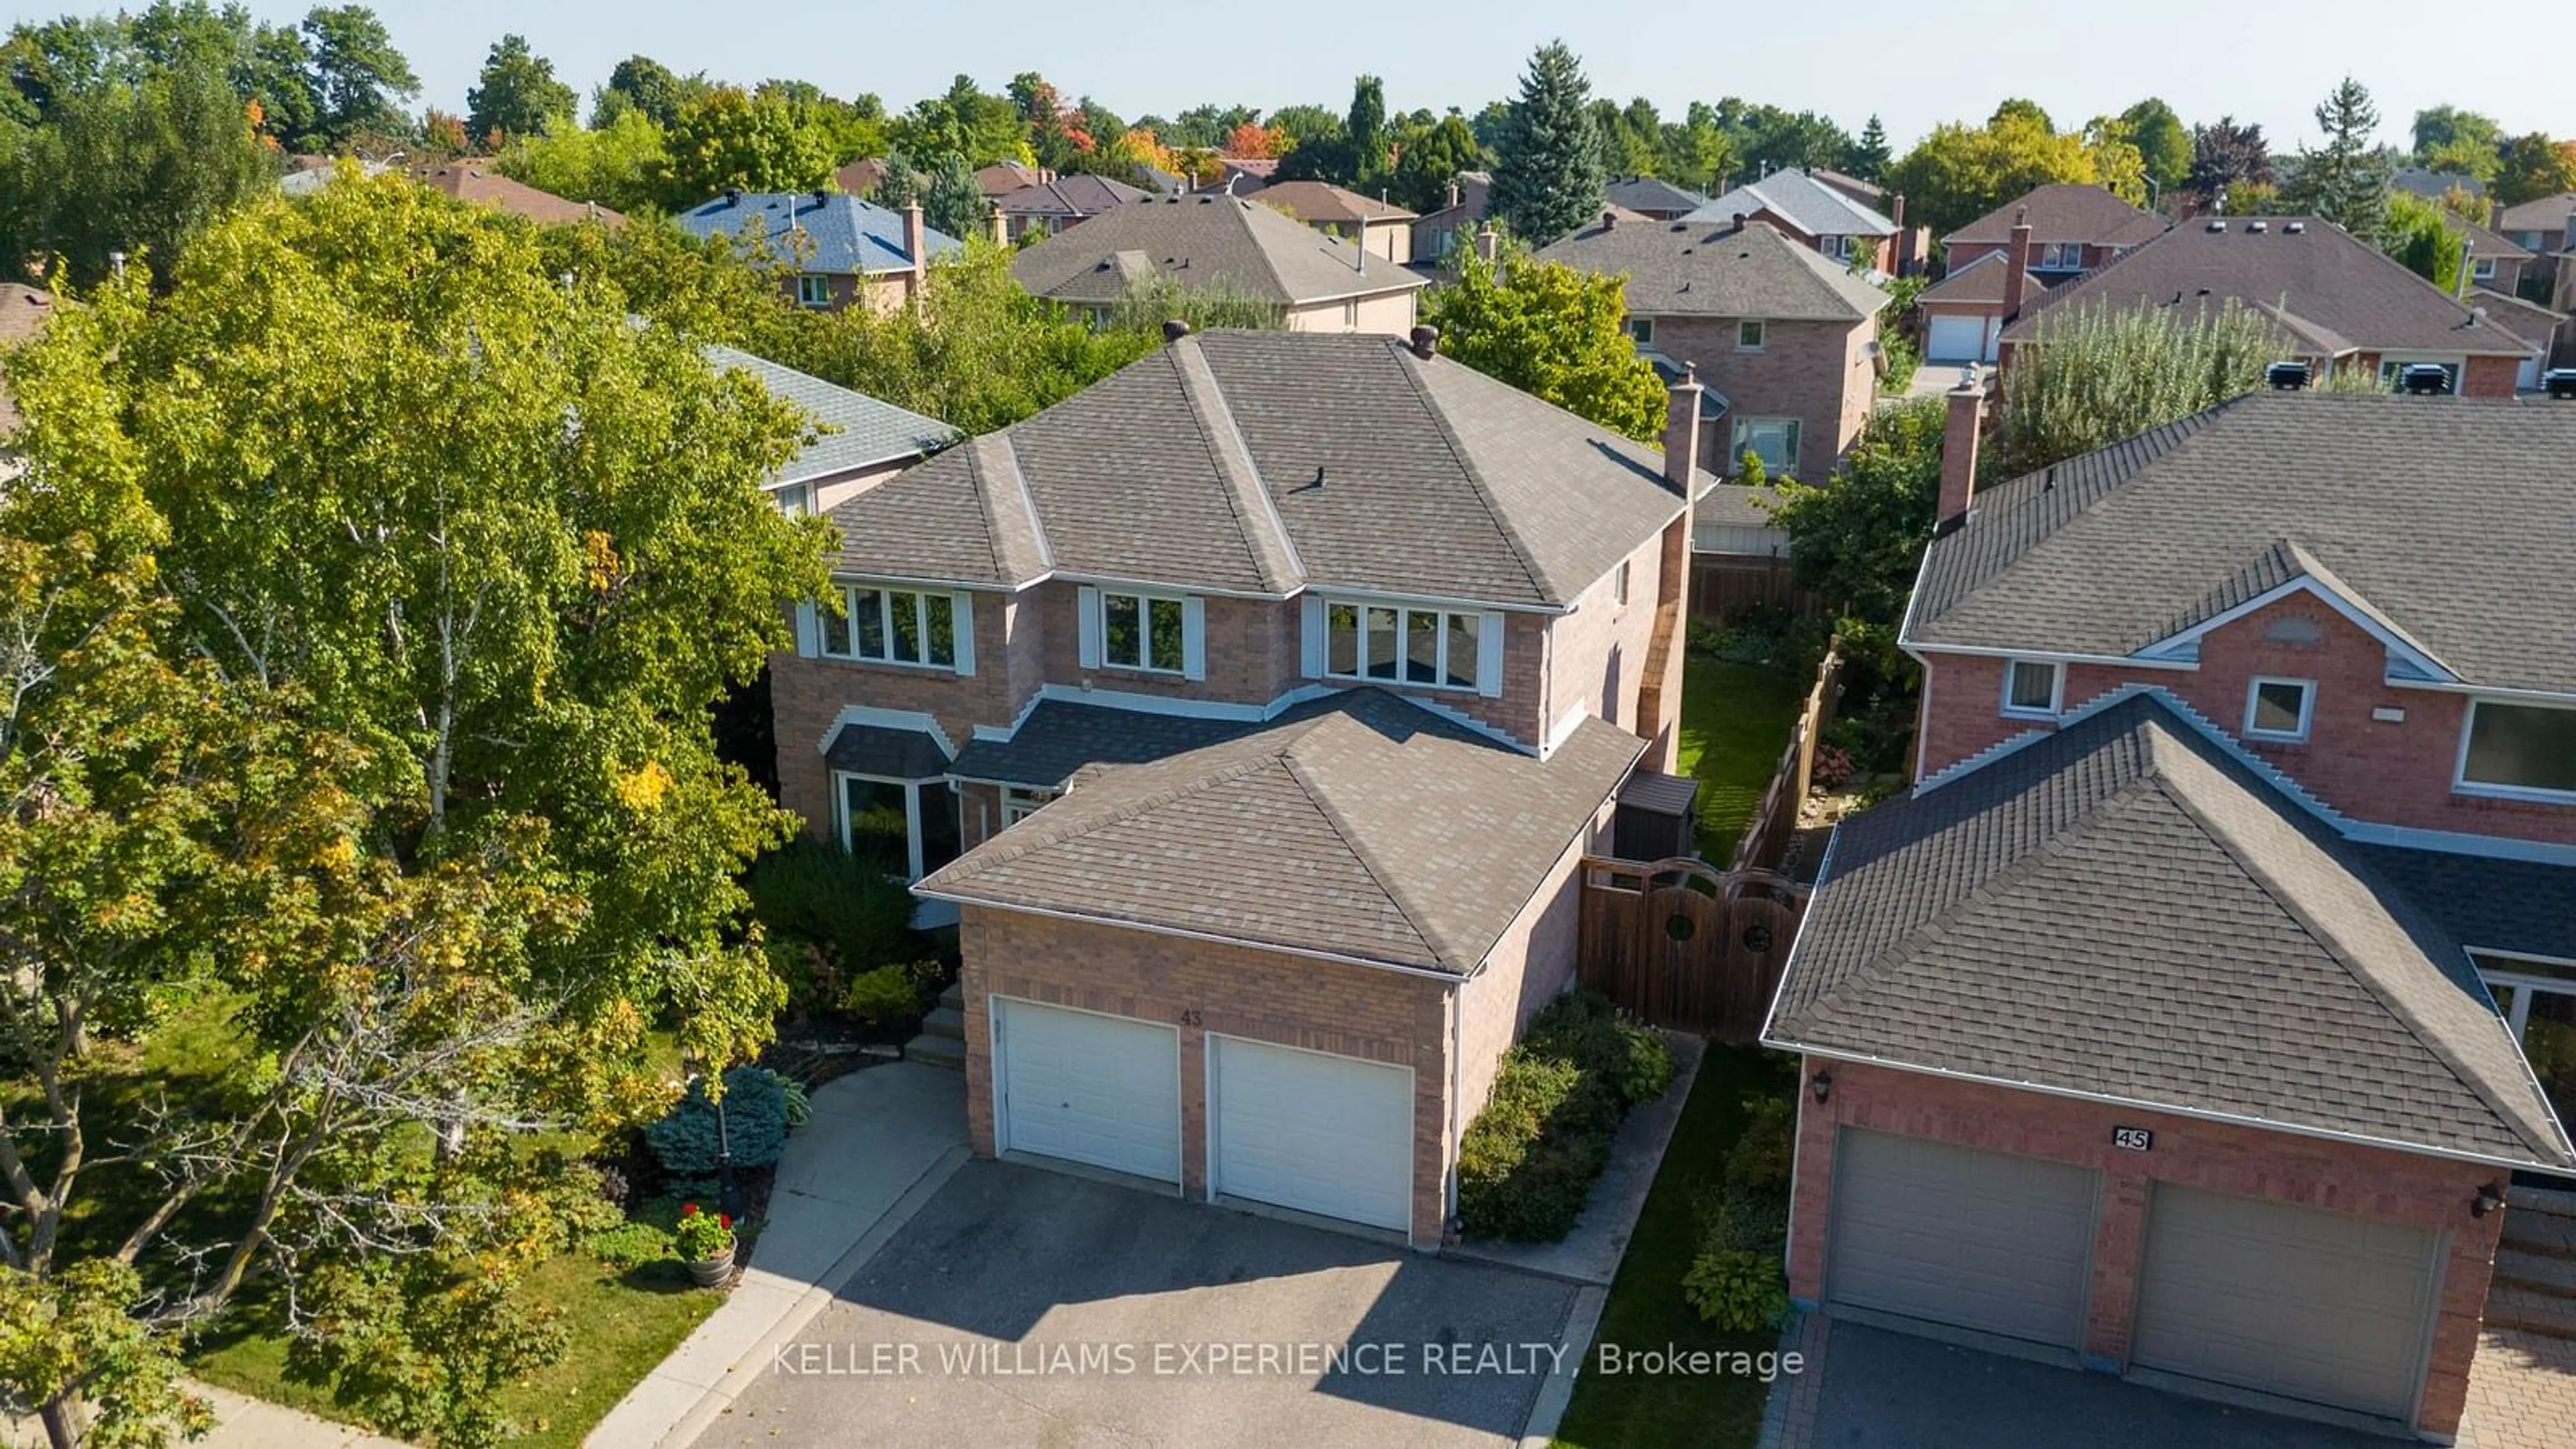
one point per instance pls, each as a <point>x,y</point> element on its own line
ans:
<point>1251,141</point>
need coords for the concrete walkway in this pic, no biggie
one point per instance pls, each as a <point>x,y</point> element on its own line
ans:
<point>881,1143</point>
<point>241,1422</point>
<point>1590,1253</point>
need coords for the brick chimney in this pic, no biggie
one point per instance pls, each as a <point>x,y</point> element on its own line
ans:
<point>1000,224</point>
<point>916,248</point>
<point>1453,197</point>
<point>1900,261</point>
<point>1959,449</point>
<point>2017,264</point>
<point>1681,429</point>
<point>1489,242</point>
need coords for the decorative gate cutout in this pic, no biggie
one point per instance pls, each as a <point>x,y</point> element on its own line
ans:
<point>1681,944</point>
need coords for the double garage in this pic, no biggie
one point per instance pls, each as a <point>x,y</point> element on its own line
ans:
<point>1312,1131</point>
<point>2319,1307</point>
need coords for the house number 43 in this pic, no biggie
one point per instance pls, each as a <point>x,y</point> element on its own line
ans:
<point>2135,1139</point>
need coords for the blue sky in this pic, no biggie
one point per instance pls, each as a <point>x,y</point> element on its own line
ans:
<point>1915,63</point>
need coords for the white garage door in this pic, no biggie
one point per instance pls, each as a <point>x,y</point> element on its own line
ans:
<point>2296,1301</point>
<point>1105,1090</point>
<point>1983,1240</point>
<point>1322,1134</point>
<point>1960,339</point>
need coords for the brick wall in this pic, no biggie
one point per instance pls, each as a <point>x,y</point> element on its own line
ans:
<point>2396,1187</point>
<point>1598,655</point>
<point>1202,987</point>
<point>1531,965</point>
<point>1817,372</point>
<point>2396,772</point>
<point>1252,650</point>
<point>2489,377</point>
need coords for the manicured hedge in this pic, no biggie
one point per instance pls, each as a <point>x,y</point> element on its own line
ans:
<point>1529,1159</point>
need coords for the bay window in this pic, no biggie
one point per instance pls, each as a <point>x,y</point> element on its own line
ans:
<point>883,625</point>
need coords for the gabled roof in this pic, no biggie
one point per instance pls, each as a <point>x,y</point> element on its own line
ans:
<point>1801,200</point>
<point>2126,909</point>
<point>1004,176</point>
<point>1263,462</point>
<point>2445,519</point>
<point>2064,212</point>
<point>2323,285</point>
<point>1688,268</point>
<point>1202,241</point>
<point>860,177</point>
<point>478,183</point>
<point>1362,826</point>
<point>1981,280</point>
<point>1316,201</point>
<point>2542,213</point>
<point>1652,195</point>
<point>846,234</point>
<point>2525,319</point>
<point>864,431</point>
<point>2484,245</point>
<point>1079,195</point>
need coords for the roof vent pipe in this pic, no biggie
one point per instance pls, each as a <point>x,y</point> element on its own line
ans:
<point>1426,342</point>
<point>1175,330</point>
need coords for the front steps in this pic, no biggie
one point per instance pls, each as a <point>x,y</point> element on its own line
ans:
<point>942,1042</point>
<point>2535,1267</point>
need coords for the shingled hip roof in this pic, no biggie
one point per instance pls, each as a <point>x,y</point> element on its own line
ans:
<point>2066,211</point>
<point>1696,268</point>
<point>2126,910</point>
<point>1801,200</point>
<point>2373,502</point>
<point>1203,241</point>
<point>1266,462</point>
<point>1365,829</point>
<point>839,234</point>
<point>859,431</point>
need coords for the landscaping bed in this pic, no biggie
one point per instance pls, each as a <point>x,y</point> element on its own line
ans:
<point>1649,1306</point>
<point>1528,1161</point>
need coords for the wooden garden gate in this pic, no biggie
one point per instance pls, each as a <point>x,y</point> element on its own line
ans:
<point>1683,945</point>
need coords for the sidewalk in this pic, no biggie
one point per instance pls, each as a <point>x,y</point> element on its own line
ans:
<point>881,1142</point>
<point>242,1422</point>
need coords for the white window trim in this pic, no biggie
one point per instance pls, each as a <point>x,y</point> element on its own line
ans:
<point>1760,343</point>
<point>912,811</point>
<point>2482,268</point>
<point>2461,784</point>
<point>1019,804</point>
<point>961,627</point>
<point>1145,600</point>
<point>2056,689</point>
<point>809,283</point>
<point>2307,708</point>
<point>1641,330</point>
<point>1403,612</point>
<point>1619,581</point>
<point>1793,432</point>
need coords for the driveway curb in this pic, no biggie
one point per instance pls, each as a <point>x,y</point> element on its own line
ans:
<point>1581,1322</point>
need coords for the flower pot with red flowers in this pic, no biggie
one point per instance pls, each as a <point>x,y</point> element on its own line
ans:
<point>706,1241</point>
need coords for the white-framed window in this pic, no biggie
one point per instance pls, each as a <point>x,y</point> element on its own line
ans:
<point>1394,644</point>
<point>1751,333</point>
<point>1019,804</point>
<point>906,828</point>
<point>2483,268</point>
<point>796,500</point>
<point>1619,585</point>
<point>1143,631</point>
<point>1773,440</point>
<point>814,291</point>
<point>1642,331</point>
<point>2279,709</point>
<point>2537,999</point>
<point>2519,750</point>
<point>883,624</point>
<point>1837,247</point>
<point>2032,688</point>
<point>2059,256</point>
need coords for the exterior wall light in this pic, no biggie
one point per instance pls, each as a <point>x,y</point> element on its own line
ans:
<point>2489,1198</point>
<point>1823,1083</point>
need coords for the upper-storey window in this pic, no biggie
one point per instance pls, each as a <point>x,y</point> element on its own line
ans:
<point>2031,686</point>
<point>1641,330</point>
<point>814,291</point>
<point>2519,749</point>
<point>2279,709</point>
<point>1437,648</point>
<point>883,624</point>
<point>1751,334</point>
<point>1143,631</point>
<point>2059,256</point>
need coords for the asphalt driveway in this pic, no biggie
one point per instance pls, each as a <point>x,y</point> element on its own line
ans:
<point>1021,1306</point>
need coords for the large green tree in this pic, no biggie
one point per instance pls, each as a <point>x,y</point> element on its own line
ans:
<point>619,164</point>
<point>1870,155</point>
<point>1431,160</point>
<point>1553,332</point>
<point>2345,180</point>
<point>1547,167</point>
<point>951,200</point>
<point>1959,173</point>
<point>641,83</point>
<point>1859,539</point>
<point>2419,234</point>
<point>516,95</point>
<point>967,122</point>
<point>727,139</point>
<point>376,585</point>
<point>2535,166</point>
<point>2163,142</point>
<point>360,80</point>
<point>2450,139</point>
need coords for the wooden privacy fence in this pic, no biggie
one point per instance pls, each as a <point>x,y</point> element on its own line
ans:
<point>1723,586</point>
<point>1766,838</point>
<point>1683,945</point>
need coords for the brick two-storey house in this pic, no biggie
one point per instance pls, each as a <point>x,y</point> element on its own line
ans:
<point>2175,1022</point>
<point>1253,709</point>
<point>1319,283</point>
<point>1784,339</point>
<point>843,251</point>
<point>2067,229</point>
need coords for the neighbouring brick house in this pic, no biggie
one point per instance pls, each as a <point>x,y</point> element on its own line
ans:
<point>1438,235</point>
<point>1784,339</point>
<point>846,251</point>
<point>2495,262</point>
<point>1047,207</point>
<point>2072,229</point>
<point>1819,210</point>
<point>1384,228</point>
<point>2190,1016</point>
<point>860,441</point>
<point>1652,197</point>
<point>2335,301</point>
<point>1253,710</point>
<point>1319,283</point>
<point>2545,227</point>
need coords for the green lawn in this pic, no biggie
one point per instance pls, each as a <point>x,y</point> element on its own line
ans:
<point>621,1324</point>
<point>1646,1309</point>
<point>1735,722</point>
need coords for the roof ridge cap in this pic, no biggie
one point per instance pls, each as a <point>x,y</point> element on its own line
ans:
<point>1476,484</point>
<point>1264,531</point>
<point>2388,899</point>
<point>1007,456</point>
<point>1442,950</point>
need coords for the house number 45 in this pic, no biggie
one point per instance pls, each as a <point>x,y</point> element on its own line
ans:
<point>2135,1139</point>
